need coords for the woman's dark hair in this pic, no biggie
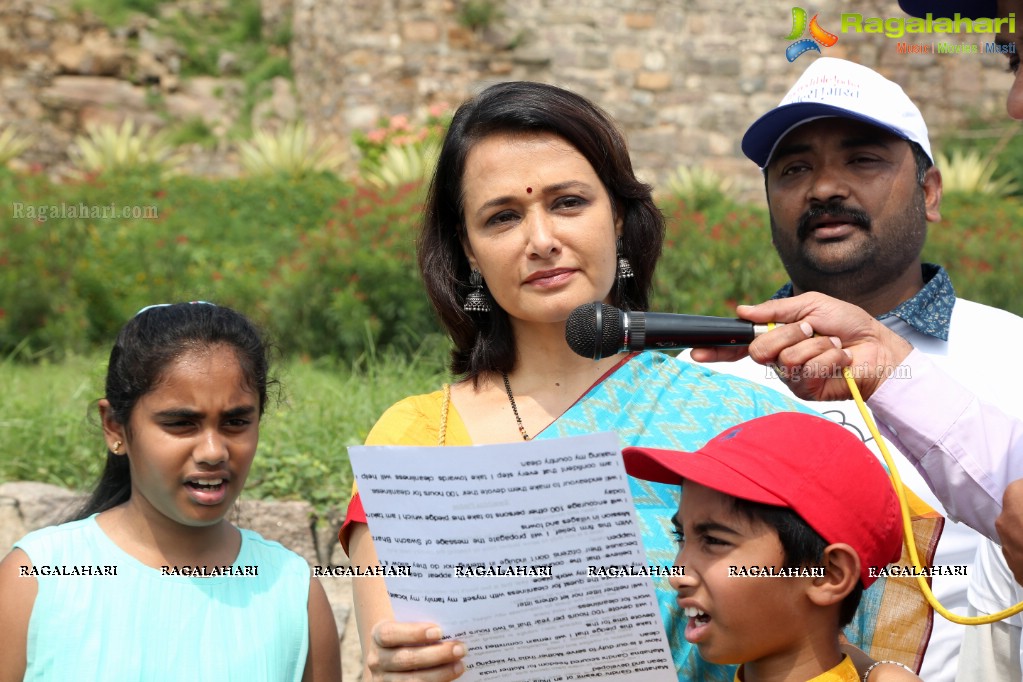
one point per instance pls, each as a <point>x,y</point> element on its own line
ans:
<point>802,545</point>
<point>484,341</point>
<point>145,347</point>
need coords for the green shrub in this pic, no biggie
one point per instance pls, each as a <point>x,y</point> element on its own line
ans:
<point>327,270</point>
<point>352,282</point>
<point>68,283</point>
<point>330,269</point>
<point>980,242</point>
<point>715,259</point>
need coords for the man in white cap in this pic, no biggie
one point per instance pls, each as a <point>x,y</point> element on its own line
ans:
<point>851,187</point>
<point>969,450</point>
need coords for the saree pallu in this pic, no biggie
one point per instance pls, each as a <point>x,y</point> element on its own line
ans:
<point>655,400</point>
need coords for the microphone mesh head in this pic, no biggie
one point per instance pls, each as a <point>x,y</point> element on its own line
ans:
<point>593,336</point>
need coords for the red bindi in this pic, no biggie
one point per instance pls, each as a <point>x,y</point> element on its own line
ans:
<point>529,190</point>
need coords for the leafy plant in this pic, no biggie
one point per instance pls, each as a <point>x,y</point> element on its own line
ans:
<point>698,187</point>
<point>967,172</point>
<point>124,149</point>
<point>294,151</point>
<point>404,164</point>
<point>13,144</point>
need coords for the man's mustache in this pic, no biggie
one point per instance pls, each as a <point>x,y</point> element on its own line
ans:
<point>833,210</point>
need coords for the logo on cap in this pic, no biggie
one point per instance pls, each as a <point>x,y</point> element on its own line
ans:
<point>818,36</point>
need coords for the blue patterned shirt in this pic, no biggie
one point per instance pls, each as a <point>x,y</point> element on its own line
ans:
<point>929,311</point>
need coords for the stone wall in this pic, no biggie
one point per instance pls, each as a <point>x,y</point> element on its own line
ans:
<point>684,77</point>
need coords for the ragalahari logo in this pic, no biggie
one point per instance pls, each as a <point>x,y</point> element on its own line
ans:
<point>818,36</point>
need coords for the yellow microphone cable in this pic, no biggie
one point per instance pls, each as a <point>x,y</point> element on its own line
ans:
<point>907,525</point>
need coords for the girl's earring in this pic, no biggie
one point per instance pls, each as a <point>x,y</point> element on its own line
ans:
<point>476,301</point>
<point>117,446</point>
<point>624,266</point>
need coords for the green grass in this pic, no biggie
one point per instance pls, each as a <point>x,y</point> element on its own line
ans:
<point>45,430</point>
<point>50,429</point>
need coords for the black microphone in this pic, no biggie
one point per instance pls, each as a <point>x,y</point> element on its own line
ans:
<point>597,330</point>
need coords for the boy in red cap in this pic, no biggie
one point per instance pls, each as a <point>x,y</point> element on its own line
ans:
<point>785,520</point>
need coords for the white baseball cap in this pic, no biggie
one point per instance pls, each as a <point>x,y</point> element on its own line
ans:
<point>837,88</point>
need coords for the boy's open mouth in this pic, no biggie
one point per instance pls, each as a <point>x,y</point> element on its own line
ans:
<point>696,626</point>
<point>696,614</point>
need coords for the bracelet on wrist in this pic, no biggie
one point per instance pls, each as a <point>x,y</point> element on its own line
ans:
<point>877,663</point>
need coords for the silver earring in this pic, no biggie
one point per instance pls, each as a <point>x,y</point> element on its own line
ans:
<point>476,301</point>
<point>624,266</point>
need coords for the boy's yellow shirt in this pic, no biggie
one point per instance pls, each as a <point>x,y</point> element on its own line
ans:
<point>843,672</point>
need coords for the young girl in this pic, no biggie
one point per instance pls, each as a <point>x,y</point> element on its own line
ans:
<point>150,581</point>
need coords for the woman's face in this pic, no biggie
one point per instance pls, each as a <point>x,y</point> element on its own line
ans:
<point>539,225</point>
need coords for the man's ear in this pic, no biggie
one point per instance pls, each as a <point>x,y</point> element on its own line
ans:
<point>932,194</point>
<point>841,573</point>
<point>113,432</point>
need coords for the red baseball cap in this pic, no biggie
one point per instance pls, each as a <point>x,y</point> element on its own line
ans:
<point>806,463</point>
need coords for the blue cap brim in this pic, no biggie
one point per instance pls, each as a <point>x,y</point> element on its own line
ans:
<point>968,9</point>
<point>766,132</point>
